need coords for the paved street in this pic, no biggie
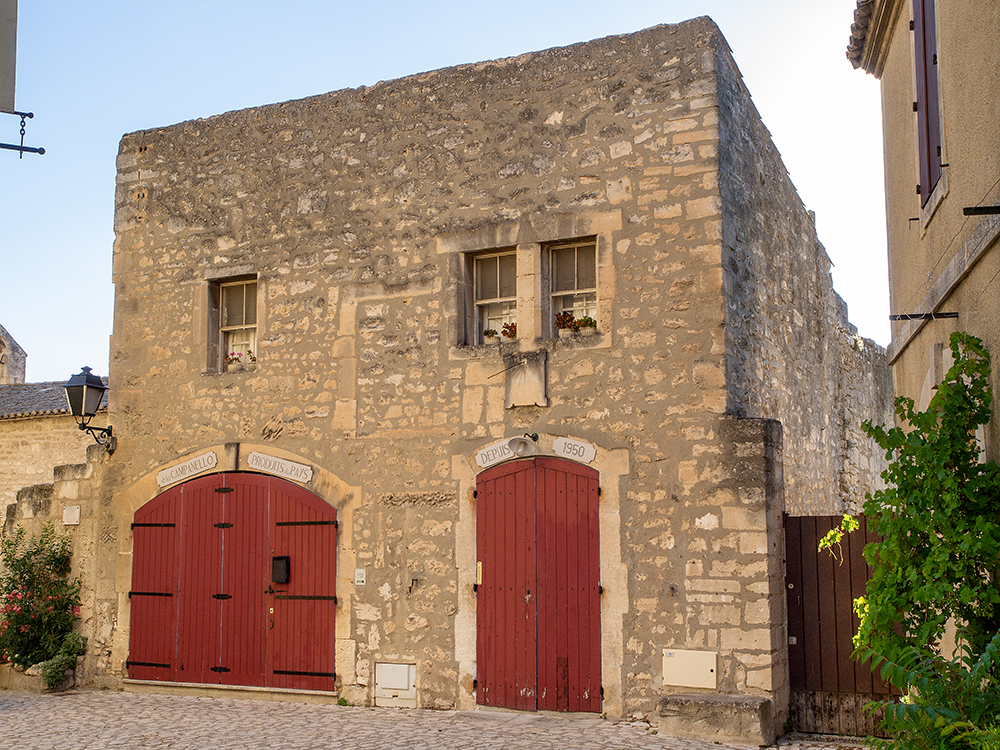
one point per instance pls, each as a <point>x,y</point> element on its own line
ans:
<point>105,719</point>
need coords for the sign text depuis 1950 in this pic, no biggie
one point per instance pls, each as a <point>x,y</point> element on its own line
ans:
<point>575,449</point>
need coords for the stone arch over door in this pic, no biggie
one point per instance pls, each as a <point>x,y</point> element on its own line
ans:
<point>234,583</point>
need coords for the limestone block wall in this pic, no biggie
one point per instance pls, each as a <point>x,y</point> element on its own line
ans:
<point>356,211</point>
<point>85,489</point>
<point>791,353</point>
<point>33,446</point>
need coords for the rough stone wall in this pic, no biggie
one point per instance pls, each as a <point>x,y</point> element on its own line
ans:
<point>33,446</point>
<point>715,546</point>
<point>408,545</point>
<point>95,551</point>
<point>13,359</point>
<point>356,212</point>
<point>791,353</point>
<point>353,209</point>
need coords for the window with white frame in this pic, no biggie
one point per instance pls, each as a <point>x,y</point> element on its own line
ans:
<point>495,291</point>
<point>573,271</point>
<point>238,320</point>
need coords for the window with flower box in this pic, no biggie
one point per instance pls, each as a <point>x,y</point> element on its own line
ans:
<point>495,281</point>
<point>238,320</point>
<point>573,274</point>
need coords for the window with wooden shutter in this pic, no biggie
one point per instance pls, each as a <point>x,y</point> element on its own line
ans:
<point>927,104</point>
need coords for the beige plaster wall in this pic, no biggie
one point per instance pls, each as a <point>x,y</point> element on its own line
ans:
<point>928,247</point>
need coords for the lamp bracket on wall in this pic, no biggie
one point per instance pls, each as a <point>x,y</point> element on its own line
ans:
<point>103,436</point>
<point>22,148</point>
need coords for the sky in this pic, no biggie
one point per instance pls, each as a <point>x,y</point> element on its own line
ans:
<point>92,72</point>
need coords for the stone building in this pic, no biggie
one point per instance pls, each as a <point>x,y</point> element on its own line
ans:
<point>940,80</point>
<point>568,522</point>
<point>37,432</point>
<point>12,359</point>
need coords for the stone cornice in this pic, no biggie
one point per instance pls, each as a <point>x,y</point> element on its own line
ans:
<point>870,34</point>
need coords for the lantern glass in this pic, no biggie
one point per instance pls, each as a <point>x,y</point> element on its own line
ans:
<point>84,393</point>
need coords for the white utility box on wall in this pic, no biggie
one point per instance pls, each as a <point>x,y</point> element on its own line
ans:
<point>396,685</point>
<point>697,669</point>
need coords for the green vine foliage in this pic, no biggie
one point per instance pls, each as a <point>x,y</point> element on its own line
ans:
<point>939,559</point>
<point>951,703</point>
<point>937,518</point>
<point>39,603</point>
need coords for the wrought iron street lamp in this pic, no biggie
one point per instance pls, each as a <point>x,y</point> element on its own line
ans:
<point>84,393</point>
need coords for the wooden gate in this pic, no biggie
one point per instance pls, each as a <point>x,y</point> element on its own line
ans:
<point>828,690</point>
<point>539,633</point>
<point>207,605</point>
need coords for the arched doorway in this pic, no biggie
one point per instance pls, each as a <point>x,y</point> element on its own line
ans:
<point>538,586</point>
<point>234,583</point>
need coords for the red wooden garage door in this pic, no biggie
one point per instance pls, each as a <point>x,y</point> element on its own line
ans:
<point>539,635</point>
<point>206,606</point>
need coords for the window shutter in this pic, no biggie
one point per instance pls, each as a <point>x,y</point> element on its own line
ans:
<point>927,107</point>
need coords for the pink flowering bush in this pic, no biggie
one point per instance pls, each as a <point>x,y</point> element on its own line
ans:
<point>39,604</point>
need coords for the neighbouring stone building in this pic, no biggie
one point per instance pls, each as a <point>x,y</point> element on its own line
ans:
<point>37,432</point>
<point>628,547</point>
<point>940,80</point>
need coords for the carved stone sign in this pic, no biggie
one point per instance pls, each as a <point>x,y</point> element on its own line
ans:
<point>280,467</point>
<point>493,454</point>
<point>574,449</point>
<point>189,468</point>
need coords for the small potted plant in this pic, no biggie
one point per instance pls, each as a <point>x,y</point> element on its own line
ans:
<point>587,326</point>
<point>234,362</point>
<point>509,331</point>
<point>565,324</point>
<point>490,336</point>
<point>251,363</point>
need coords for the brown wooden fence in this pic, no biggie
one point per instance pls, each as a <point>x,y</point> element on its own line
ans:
<point>829,690</point>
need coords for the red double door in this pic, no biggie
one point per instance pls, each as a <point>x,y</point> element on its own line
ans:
<point>538,586</point>
<point>233,583</point>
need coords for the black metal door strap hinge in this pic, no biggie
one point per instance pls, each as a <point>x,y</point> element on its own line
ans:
<point>222,596</point>
<point>153,525</point>
<point>331,675</point>
<point>309,598</point>
<point>149,593</point>
<point>307,523</point>
<point>223,526</point>
<point>146,664</point>
<point>224,489</point>
<point>221,669</point>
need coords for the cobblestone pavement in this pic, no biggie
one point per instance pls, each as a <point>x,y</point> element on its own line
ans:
<point>104,719</point>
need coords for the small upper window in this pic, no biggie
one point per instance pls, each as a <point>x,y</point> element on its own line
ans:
<point>238,320</point>
<point>496,291</point>
<point>574,279</point>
